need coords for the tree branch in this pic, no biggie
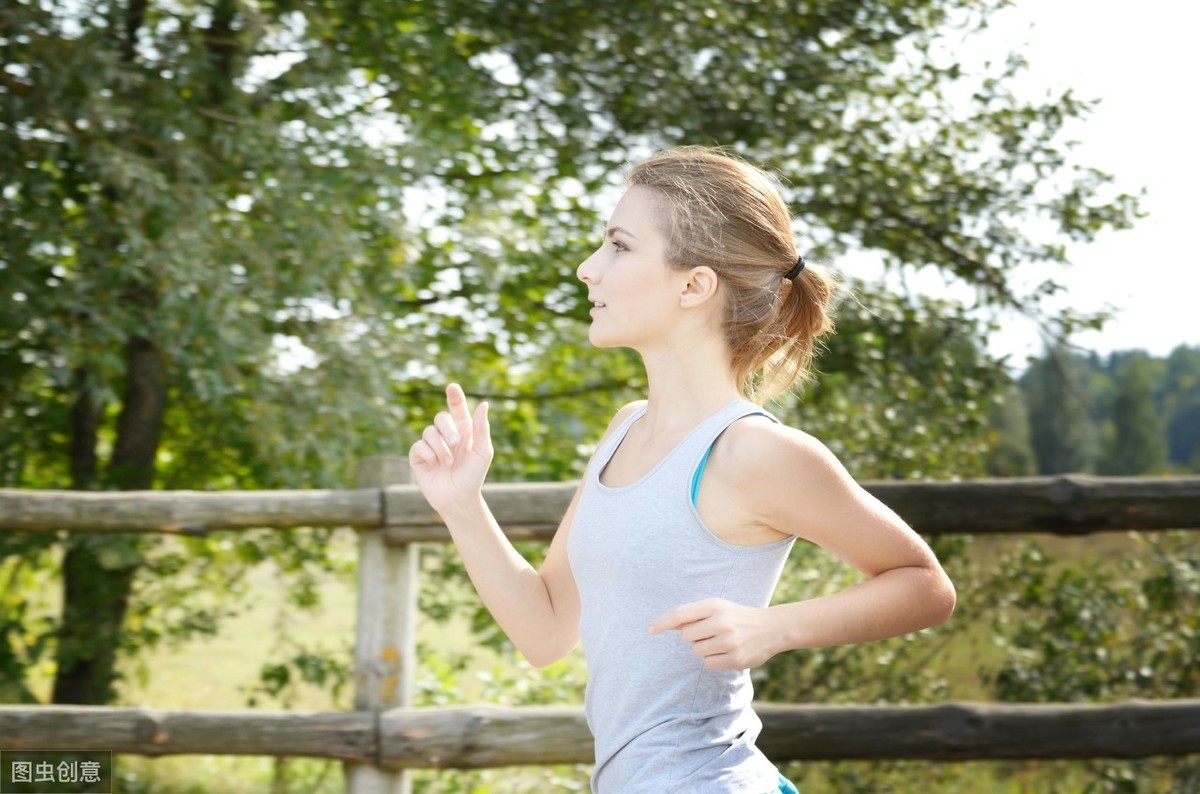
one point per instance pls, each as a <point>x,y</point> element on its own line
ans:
<point>135,15</point>
<point>14,85</point>
<point>577,391</point>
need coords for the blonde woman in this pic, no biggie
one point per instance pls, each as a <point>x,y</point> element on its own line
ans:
<point>667,557</point>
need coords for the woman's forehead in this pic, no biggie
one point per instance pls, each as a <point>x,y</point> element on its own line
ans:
<point>636,213</point>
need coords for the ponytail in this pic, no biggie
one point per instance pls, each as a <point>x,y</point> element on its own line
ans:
<point>792,342</point>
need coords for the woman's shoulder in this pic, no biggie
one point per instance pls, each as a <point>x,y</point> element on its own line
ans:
<point>758,447</point>
<point>790,479</point>
<point>622,416</point>
<point>627,410</point>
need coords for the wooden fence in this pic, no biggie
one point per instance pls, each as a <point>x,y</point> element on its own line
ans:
<point>385,735</point>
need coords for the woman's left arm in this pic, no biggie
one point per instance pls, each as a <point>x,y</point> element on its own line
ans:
<point>795,485</point>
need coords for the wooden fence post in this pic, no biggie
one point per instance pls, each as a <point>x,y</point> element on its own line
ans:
<point>385,634</point>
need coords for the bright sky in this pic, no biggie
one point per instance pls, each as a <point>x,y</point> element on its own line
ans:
<point>1138,59</point>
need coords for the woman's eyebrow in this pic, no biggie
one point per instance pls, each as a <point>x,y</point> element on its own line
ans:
<point>614,229</point>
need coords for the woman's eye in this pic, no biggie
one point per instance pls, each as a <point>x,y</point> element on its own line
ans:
<point>620,246</point>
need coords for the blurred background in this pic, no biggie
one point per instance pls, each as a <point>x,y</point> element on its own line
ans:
<point>243,245</point>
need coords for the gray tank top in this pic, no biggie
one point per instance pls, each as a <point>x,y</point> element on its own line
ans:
<point>661,721</point>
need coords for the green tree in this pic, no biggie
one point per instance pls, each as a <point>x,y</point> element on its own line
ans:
<point>904,389</point>
<point>165,230</point>
<point>1138,444</point>
<point>1011,453</point>
<point>243,244</point>
<point>1059,400</point>
<point>1183,407</point>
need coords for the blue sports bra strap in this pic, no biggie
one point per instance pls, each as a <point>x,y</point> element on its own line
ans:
<point>699,473</point>
<point>695,489</point>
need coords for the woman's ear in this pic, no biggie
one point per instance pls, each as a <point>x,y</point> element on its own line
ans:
<point>701,287</point>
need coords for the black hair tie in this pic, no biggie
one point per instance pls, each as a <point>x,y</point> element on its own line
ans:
<point>796,268</point>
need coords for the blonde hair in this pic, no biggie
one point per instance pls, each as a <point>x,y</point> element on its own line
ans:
<point>720,211</point>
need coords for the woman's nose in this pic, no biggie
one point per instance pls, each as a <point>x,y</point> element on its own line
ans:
<point>585,270</point>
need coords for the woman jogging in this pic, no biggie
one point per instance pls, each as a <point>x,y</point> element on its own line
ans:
<point>666,559</point>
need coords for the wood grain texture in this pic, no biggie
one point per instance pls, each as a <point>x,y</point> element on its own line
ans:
<point>492,736</point>
<point>1066,505</point>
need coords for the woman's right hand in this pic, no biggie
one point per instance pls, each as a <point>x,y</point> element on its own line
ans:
<point>452,457</point>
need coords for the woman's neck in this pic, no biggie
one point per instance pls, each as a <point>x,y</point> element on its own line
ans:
<point>689,385</point>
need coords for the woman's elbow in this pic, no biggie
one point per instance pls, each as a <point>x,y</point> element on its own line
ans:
<point>541,659</point>
<point>545,654</point>
<point>943,598</point>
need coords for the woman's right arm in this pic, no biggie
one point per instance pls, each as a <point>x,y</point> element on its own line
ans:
<point>538,610</point>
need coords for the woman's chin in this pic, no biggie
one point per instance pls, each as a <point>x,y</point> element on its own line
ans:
<point>599,339</point>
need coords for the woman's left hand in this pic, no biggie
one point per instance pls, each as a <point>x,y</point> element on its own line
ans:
<point>726,635</point>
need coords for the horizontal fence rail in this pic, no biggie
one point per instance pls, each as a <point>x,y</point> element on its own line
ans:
<point>1066,505</point>
<point>468,737</point>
